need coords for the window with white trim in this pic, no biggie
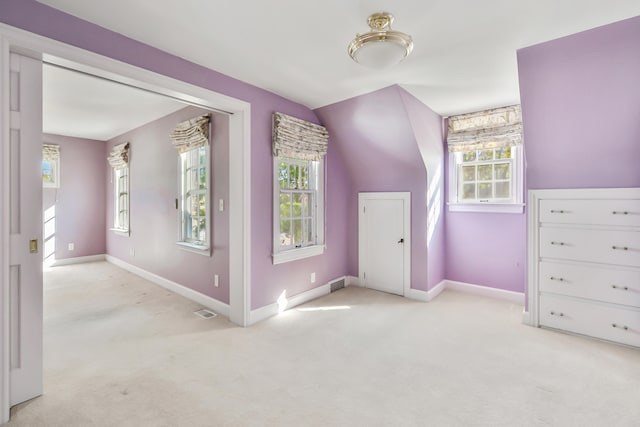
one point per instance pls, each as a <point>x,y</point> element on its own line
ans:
<point>299,215</point>
<point>121,199</point>
<point>194,203</point>
<point>299,148</point>
<point>486,161</point>
<point>50,166</point>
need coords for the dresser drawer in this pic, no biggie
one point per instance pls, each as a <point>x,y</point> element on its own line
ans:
<point>612,323</point>
<point>599,246</point>
<point>603,284</point>
<point>624,212</point>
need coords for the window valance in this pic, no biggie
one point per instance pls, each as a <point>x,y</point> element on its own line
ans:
<point>50,152</point>
<point>119,156</point>
<point>298,139</point>
<point>191,134</point>
<point>496,128</point>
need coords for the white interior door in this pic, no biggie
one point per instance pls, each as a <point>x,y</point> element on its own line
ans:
<point>25,260</point>
<point>384,241</point>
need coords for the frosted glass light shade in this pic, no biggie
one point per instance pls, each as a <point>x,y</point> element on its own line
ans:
<point>380,54</point>
<point>381,47</point>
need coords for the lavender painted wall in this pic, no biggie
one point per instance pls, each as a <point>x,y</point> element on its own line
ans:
<point>374,135</point>
<point>581,108</point>
<point>79,202</point>
<point>154,220</point>
<point>268,281</point>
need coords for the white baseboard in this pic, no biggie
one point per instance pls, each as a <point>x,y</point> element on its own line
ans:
<point>426,296</point>
<point>351,281</point>
<point>76,260</point>
<point>204,300</point>
<point>515,297</point>
<point>527,318</point>
<point>285,303</point>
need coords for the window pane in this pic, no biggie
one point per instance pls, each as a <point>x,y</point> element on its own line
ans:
<point>469,156</point>
<point>485,155</point>
<point>285,205</point>
<point>203,178</point>
<point>468,191</point>
<point>503,171</point>
<point>304,177</point>
<point>503,190</point>
<point>293,176</point>
<point>503,153</point>
<point>297,232</point>
<point>484,191</point>
<point>297,205</point>
<point>305,205</point>
<point>285,232</point>
<point>468,173</point>
<point>485,173</point>
<point>202,211</point>
<point>194,228</point>
<point>203,230</point>
<point>309,229</point>
<point>283,174</point>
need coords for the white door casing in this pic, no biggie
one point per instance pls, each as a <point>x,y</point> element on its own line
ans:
<point>25,218</point>
<point>65,55</point>
<point>385,241</point>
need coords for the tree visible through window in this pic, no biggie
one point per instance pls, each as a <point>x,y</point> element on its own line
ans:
<point>298,185</point>
<point>195,203</point>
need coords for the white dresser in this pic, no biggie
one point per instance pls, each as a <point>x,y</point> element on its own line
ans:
<point>584,262</point>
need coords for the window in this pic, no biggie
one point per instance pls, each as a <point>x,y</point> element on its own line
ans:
<point>121,199</point>
<point>485,161</point>
<point>50,173</point>
<point>50,165</point>
<point>298,217</point>
<point>486,180</point>
<point>194,204</point>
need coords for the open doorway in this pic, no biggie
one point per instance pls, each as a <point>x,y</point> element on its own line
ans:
<point>83,61</point>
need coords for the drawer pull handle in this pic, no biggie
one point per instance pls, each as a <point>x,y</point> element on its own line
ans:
<point>620,248</point>
<point>626,328</point>
<point>557,211</point>
<point>624,288</point>
<point>553,313</point>
<point>559,279</point>
<point>562,244</point>
<point>620,212</point>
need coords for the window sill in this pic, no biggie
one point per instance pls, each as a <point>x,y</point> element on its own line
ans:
<point>515,208</point>
<point>296,254</point>
<point>121,232</point>
<point>196,249</point>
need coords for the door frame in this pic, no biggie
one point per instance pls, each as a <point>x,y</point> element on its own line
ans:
<point>406,199</point>
<point>29,44</point>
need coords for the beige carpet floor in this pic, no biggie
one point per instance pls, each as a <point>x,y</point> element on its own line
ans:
<point>120,351</point>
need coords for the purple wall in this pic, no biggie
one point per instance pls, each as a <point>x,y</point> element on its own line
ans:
<point>79,202</point>
<point>581,108</point>
<point>268,281</point>
<point>374,135</point>
<point>154,220</point>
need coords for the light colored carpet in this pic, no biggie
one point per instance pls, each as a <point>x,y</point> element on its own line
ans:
<point>120,351</point>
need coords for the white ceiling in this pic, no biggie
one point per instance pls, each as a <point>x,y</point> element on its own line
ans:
<point>84,106</point>
<point>464,57</point>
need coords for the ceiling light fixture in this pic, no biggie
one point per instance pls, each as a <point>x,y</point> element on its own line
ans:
<point>381,47</point>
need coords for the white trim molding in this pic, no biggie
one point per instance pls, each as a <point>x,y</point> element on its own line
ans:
<point>77,260</point>
<point>285,303</point>
<point>486,291</point>
<point>204,300</point>
<point>65,55</point>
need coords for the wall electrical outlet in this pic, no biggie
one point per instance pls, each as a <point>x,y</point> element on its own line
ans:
<point>221,205</point>
<point>72,246</point>
<point>216,280</point>
<point>313,277</point>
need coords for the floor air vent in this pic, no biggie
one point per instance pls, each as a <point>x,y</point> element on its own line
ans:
<point>205,314</point>
<point>338,284</point>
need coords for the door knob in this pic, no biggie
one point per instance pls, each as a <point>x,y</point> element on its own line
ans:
<point>401,240</point>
